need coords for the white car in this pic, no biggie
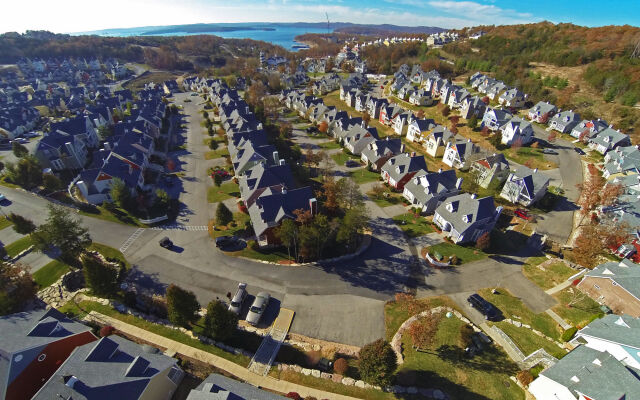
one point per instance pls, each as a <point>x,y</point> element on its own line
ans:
<point>2,197</point>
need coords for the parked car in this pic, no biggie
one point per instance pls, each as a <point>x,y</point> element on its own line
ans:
<point>311,129</point>
<point>238,299</point>
<point>549,151</point>
<point>351,163</point>
<point>579,151</point>
<point>487,309</point>
<point>166,243</point>
<point>2,197</point>
<point>224,241</point>
<point>257,308</point>
<point>522,213</point>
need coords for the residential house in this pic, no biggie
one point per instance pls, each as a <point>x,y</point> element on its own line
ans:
<point>564,121</point>
<point>464,218</point>
<point>219,387</point>
<point>17,120</point>
<point>374,105</point>
<point>608,139</point>
<point>457,97</point>
<point>460,154</point>
<point>376,153</point>
<point>621,161</point>
<point>445,91</point>
<point>586,374</point>
<point>62,152</point>
<point>401,122</point>
<point>250,155</point>
<point>398,170</point>
<point>542,112</point>
<point>262,177</point>
<point>525,186</point>
<point>473,106</point>
<point>618,335</point>
<point>587,129</point>
<point>170,87</point>
<point>33,346</point>
<point>493,169</point>
<point>438,139</point>
<point>512,98</point>
<point>388,112</point>
<point>427,191</point>
<point>358,138</point>
<point>494,90</point>
<point>114,368</point>
<point>418,130</point>
<point>615,284</point>
<point>494,118</point>
<point>476,79</point>
<point>421,97</point>
<point>272,207</point>
<point>516,130</point>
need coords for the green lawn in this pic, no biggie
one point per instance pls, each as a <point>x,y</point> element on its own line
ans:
<point>529,154</point>
<point>226,191</point>
<point>464,254</point>
<point>364,175</point>
<point>84,307</point>
<point>50,273</point>
<point>18,246</point>
<point>330,386</point>
<point>238,224</point>
<point>582,310</point>
<point>444,366</point>
<point>395,313</point>
<point>329,145</point>
<point>5,223</point>
<point>116,215</point>
<point>529,342</point>
<point>221,152</point>
<point>553,274</point>
<point>342,157</point>
<point>513,307</point>
<point>387,199</point>
<point>413,226</point>
<point>109,252</point>
<point>271,255</point>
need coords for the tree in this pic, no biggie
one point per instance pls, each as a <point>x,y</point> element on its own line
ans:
<point>27,172</point>
<point>553,135</point>
<point>255,92</point>
<point>288,235</point>
<point>19,150</point>
<point>340,366</point>
<point>349,194</point>
<point>286,130</point>
<point>455,119</point>
<point>101,278</point>
<point>1,166</point>
<point>21,224</point>
<point>423,330</point>
<point>377,363</point>
<point>213,144</point>
<point>486,100</point>
<point>51,183</point>
<point>331,194</point>
<point>223,214</point>
<point>182,306</point>
<point>485,131</point>
<point>588,246</point>
<point>219,323</point>
<point>445,111</point>
<point>217,179</point>
<point>366,118</point>
<point>420,114</point>
<point>16,287</point>
<point>104,131</point>
<point>323,127</point>
<point>610,193</point>
<point>62,231</point>
<point>119,192</point>
<point>162,198</point>
<point>472,122</point>
<point>484,241</point>
<point>353,223</point>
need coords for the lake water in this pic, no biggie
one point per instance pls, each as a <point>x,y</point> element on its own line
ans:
<point>277,34</point>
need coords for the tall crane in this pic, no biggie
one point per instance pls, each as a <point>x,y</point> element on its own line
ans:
<point>327,24</point>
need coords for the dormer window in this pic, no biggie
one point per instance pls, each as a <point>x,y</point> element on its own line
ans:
<point>467,218</point>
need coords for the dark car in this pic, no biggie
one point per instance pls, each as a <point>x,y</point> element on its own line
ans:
<point>311,129</point>
<point>579,151</point>
<point>166,243</point>
<point>487,309</point>
<point>224,241</point>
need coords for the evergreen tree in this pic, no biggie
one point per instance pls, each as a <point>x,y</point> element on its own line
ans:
<point>182,306</point>
<point>223,214</point>
<point>219,323</point>
<point>62,231</point>
<point>101,278</point>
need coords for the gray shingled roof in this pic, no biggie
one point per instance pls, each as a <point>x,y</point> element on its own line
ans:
<point>621,329</point>
<point>112,368</point>
<point>425,186</point>
<point>595,374</point>
<point>533,180</point>
<point>466,204</point>
<point>398,166</point>
<point>218,387</point>
<point>625,273</point>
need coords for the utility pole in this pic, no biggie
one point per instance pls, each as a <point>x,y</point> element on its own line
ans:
<point>327,15</point>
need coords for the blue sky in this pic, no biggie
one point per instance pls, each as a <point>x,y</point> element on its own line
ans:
<point>86,15</point>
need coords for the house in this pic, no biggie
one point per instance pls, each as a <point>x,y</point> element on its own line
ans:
<point>615,284</point>
<point>250,155</point>
<point>541,112</point>
<point>464,218</point>
<point>438,139</point>
<point>586,374</point>
<point>516,130</point>
<point>262,177</point>
<point>460,154</point>
<point>418,129</point>
<point>272,207</point>
<point>564,121</point>
<point>494,118</point>
<point>494,90</point>
<point>608,139</point>
<point>421,97</point>
<point>170,87</point>
<point>427,190</point>
<point>376,153</point>
<point>473,106</point>
<point>219,387</point>
<point>401,122</point>
<point>457,97</point>
<point>445,91</point>
<point>388,112</point>
<point>493,169</point>
<point>33,346</point>
<point>621,160</point>
<point>62,152</point>
<point>587,129</point>
<point>618,335</point>
<point>512,98</point>
<point>525,186</point>
<point>357,138</point>
<point>399,169</point>
<point>114,368</point>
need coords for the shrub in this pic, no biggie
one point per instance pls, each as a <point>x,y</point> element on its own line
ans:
<point>454,260</point>
<point>182,305</point>
<point>213,145</point>
<point>293,395</point>
<point>223,214</point>
<point>340,366</point>
<point>525,377</point>
<point>21,224</point>
<point>107,330</point>
<point>377,363</point>
<point>568,334</point>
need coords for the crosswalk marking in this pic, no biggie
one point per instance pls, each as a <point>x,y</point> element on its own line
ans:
<point>131,239</point>
<point>181,228</point>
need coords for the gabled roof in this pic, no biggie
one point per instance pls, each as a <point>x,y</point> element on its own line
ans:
<point>625,273</point>
<point>425,185</point>
<point>495,159</point>
<point>533,180</point>
<point>542,107</point>
<point>262,176</point>
<point>620,329</point>
<point>402,164</point>
<point>424,125</point>
<point>271,208</point>
<point>609,137</point>
<point>218,387</point>
<point>463,210</point>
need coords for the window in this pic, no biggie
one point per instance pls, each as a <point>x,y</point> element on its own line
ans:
<point>596,287</point>
<point>41,357</point>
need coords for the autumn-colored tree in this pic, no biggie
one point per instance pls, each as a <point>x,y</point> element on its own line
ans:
<point>455,119</point>
<point>340,366</point>
<point>303,217</point>
<point>16,287</point>
<point>485,131</point>
<point>423,330</point>
<point>484,241</point>
<point>584,136</point>
<point>366,118</point>
<point>331,194</point>
<point>286,130</point>
<point>614,234</point>
<point>420,114</point>
<point>553,135</point>
<point>323,127</point>
<point>588,245</point>
<point>377,363</point>
<point>610,193</point>
<point>486,100</point>
<point>255,92</point>
<point>445,111</point>
<point>525,377</point>
<point>590,191</point>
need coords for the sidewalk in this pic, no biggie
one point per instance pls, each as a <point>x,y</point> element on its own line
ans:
<point>236,370</point>
<point>558,319</point>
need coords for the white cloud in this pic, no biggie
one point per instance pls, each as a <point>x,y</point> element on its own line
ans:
<point>477,13</point>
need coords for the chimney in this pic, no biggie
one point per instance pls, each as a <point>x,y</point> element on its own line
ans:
<point>459,184</point>
<point>282,162</point>
<point>401,147</point>
<point>413,154</point>
<point>70,380</point>
<point>473,195</point>
<point>535,170</point>
<point>439,170</point>
<point>276,159</point>
<point>313,206</point>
